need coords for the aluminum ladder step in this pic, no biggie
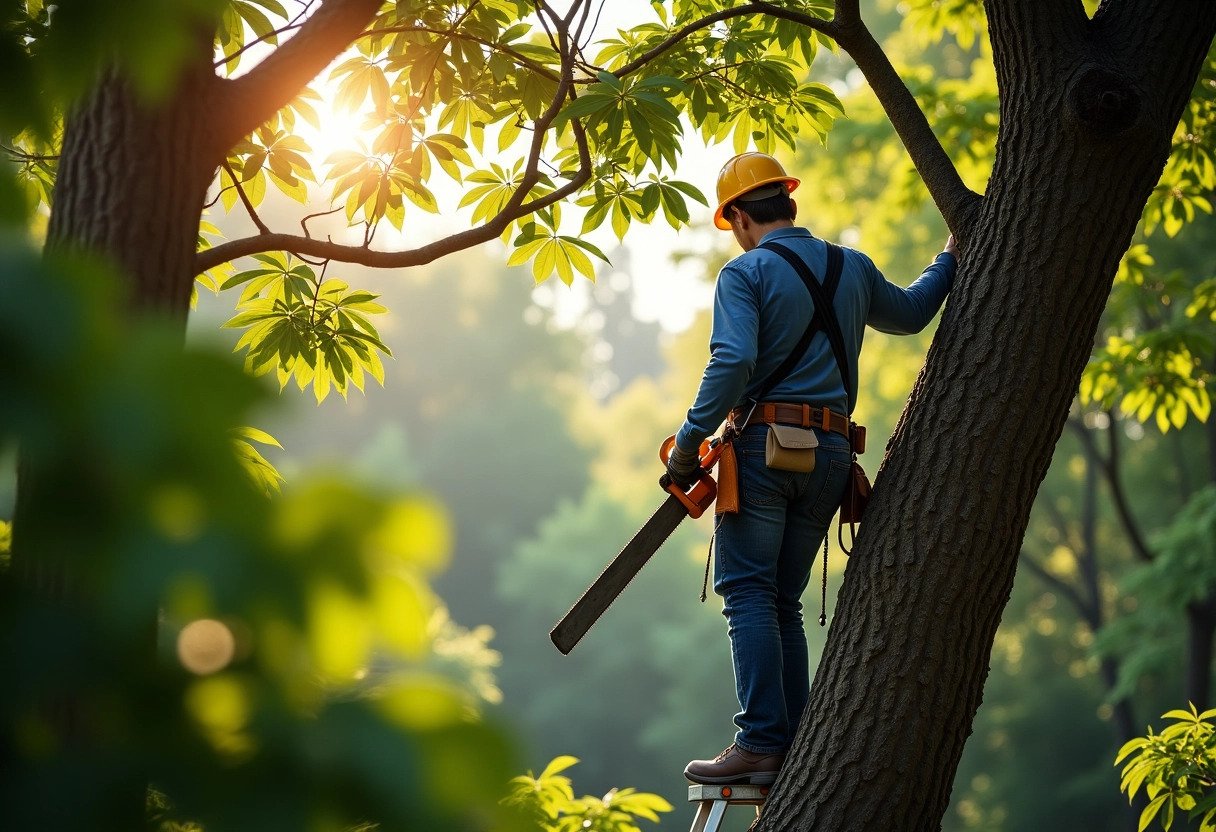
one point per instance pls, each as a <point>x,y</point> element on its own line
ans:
<point>713,801</point>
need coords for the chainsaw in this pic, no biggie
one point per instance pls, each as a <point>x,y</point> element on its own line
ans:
<point>679,504</point>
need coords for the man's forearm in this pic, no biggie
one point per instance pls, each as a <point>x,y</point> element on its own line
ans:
<point>722,387</point>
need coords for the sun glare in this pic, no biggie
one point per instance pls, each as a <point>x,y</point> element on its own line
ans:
<point>340,129</point>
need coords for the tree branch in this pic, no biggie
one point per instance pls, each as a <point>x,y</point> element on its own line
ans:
<point>294,23</point>
<point>253,215</point>
<point>323,249</point>
<point>958,204</point>
<point>828,27</point>
<point>582,23</point>
<point>521,59</point>
<point>29,157</point>
<point>515,208</point>
<point>1109,466</point>
<point>304,221</point>
<point>272,84</point>
<point>1057,583</point>
<point>253,98</point>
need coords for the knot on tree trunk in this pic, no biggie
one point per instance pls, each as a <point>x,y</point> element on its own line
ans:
<point>1105,102</point>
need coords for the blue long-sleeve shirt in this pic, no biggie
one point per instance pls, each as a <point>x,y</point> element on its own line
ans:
<point>761,309</point>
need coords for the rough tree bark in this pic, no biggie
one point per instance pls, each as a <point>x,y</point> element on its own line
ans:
<point>1087,111</point>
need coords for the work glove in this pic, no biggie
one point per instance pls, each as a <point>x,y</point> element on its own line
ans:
<point>684,467</point>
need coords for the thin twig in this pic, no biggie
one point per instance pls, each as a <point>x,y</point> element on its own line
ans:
<point>521,59</point>
<point>29,157</point>
<point>304,222</point>
<point>541,8</point>
<point>253,215</point>
<point>590,32</point>
<point>253,43</point>
<point>219,194</point>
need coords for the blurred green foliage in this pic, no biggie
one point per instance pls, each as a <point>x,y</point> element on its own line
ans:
<point>51,53</point>
<point>1182,573</point>
<point>295,683</point>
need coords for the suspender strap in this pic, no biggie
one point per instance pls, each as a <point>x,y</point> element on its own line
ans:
<point>825,315</point>
<point>831,281</point>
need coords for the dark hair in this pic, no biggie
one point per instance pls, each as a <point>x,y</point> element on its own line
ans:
<point>764,211</point>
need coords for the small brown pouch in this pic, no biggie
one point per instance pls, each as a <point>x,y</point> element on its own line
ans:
<point>790,448</point>
<point>728,482</point>
<point>856,495</point>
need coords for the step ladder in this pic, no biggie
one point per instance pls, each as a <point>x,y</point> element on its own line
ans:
<point>713,802</point>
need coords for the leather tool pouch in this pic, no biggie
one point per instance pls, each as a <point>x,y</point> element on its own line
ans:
<point>728,482</point>
<point>790,448</point>
<point>856,495</point>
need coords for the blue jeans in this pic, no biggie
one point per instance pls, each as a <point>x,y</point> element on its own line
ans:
<point>764,558</point>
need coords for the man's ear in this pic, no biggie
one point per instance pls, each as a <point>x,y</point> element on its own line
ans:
<point>793,209</point>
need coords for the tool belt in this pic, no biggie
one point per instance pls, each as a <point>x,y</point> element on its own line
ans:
<point>805,416</point>
<point>857,492</point>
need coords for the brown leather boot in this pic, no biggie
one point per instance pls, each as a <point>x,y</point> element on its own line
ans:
<point>735,765</point>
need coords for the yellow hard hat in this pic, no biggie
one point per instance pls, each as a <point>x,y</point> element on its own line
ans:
<point>746,172</point>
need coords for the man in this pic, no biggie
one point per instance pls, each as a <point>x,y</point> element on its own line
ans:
<point>765,551</point>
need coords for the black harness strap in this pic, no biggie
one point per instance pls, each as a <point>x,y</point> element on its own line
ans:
<point>825,314</point>
<point>831,281</point>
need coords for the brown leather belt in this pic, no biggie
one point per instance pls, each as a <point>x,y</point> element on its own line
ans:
<point>803,415</point>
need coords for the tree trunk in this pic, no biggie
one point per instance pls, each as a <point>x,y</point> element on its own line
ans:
<point>1087,112</point>
<point>130,190</point>
<point>132,183</point>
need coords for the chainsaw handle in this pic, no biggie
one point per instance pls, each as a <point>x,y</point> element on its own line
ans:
<point>703,492</point>
<point>709,451</point>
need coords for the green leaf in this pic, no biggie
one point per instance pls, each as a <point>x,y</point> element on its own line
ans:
<point>557,765</point>
<point>256,435</point>
<point>1150,811</point>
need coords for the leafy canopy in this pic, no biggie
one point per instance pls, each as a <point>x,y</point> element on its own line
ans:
<point>516,105</point>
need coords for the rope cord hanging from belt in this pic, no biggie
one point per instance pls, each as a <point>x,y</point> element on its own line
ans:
<point>823,598</point>
<point>709,556</point>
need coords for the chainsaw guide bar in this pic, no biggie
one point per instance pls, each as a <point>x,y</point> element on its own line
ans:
<point>587,609</point>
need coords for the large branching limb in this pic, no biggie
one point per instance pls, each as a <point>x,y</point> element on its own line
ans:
<point>516,207</point>
<point>250,100</point>
<point>959,205</point>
